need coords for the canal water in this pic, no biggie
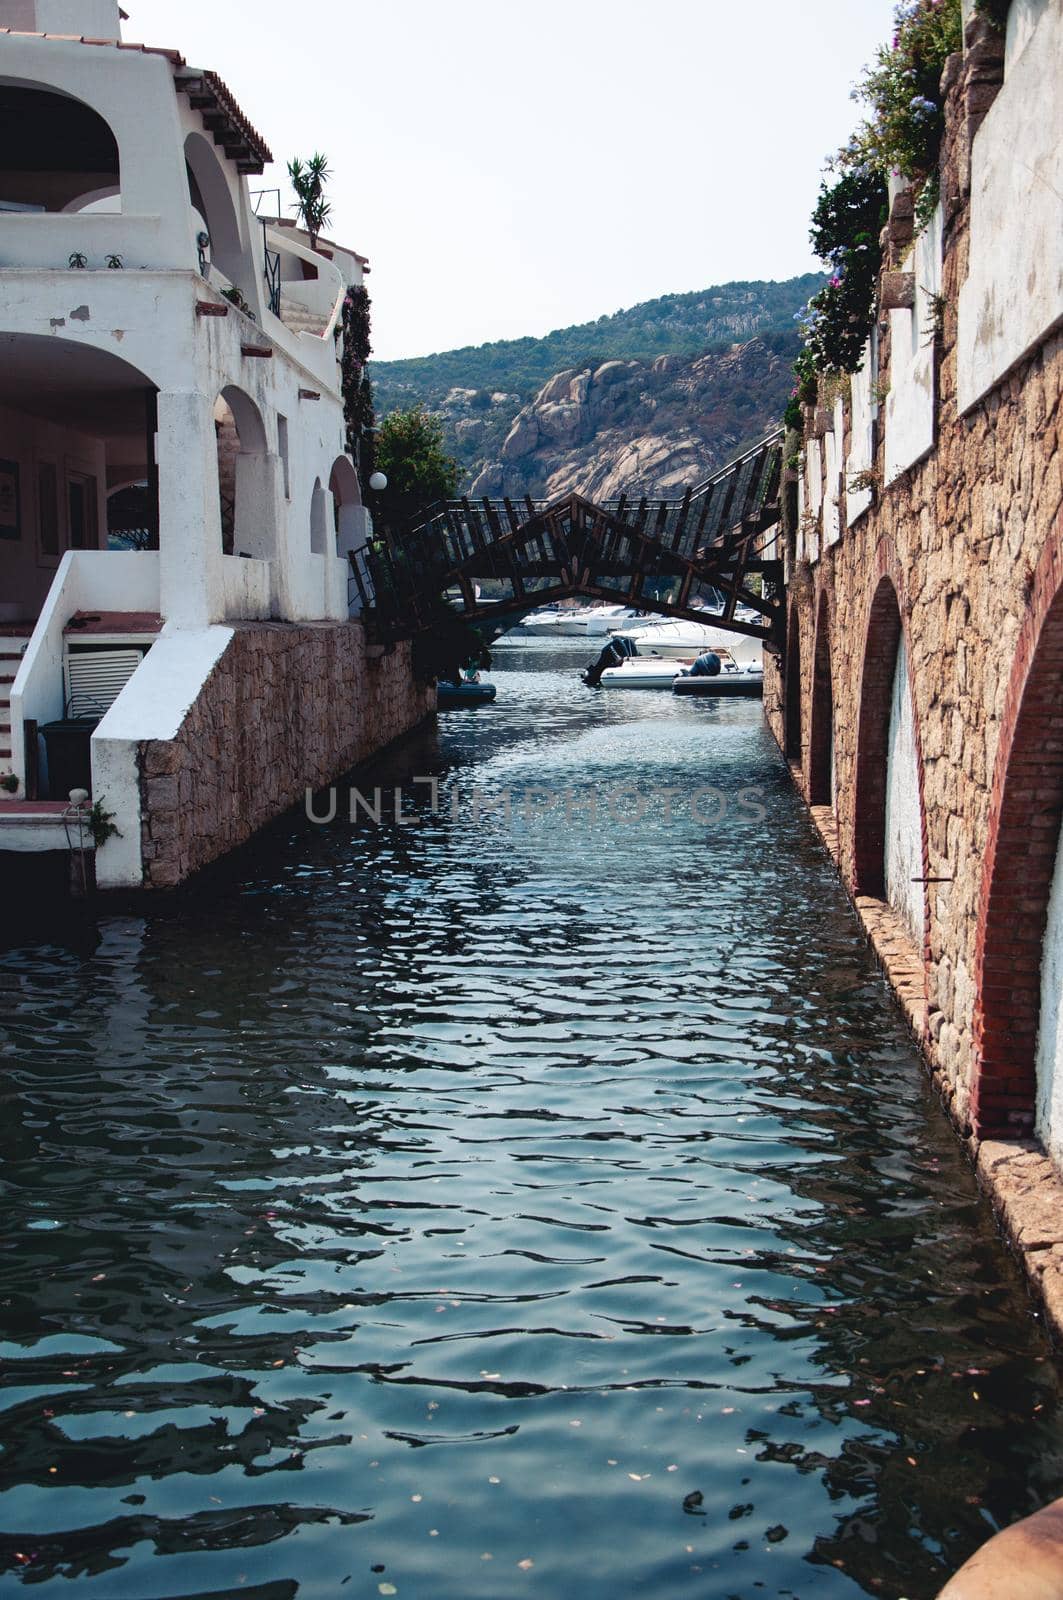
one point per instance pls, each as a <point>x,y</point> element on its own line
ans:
<point>537,1196</point>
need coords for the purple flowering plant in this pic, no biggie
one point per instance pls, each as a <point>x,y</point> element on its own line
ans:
<point>902,90</point>
<point>900,136</point>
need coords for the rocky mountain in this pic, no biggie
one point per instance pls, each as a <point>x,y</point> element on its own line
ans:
<point>637,426</point>
<point>649,398</point>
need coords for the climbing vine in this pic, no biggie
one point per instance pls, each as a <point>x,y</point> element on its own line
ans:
<point>849,217</point>
<point>901,137</point>
<point>357,391</point>
<point>903,133</point>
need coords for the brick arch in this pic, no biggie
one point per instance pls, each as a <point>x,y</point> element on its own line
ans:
<point>1026,808</point>
<point>821,719</point>
<point>884,628</point>
<point>792,727</point>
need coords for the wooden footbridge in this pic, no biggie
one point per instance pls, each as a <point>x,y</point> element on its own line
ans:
<point>496,560</point>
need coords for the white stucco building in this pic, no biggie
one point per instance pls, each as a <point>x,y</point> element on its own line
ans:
<point>167,349</point>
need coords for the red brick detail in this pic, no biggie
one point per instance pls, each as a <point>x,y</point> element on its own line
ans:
<point>876,683</point>
<point>1025,812</point>
<point>821,719</point>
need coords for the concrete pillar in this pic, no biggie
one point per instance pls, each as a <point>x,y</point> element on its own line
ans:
<point>190,555</point>
<point>354,529</point>
<point>335,597</point>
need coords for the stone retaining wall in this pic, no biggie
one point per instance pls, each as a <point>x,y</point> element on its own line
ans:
<point>964,549</point>
<point>288,707</point>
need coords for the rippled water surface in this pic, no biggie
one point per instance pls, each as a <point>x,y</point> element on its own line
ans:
<point>544,1204</point>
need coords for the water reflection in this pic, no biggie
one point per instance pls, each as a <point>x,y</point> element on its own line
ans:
<point>404,1205</point>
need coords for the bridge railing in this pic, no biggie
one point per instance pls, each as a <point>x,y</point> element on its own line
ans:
<point>727,510</point>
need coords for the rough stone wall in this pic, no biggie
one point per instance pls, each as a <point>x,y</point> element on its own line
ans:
<point>288,707</point>
<point>961,535</point>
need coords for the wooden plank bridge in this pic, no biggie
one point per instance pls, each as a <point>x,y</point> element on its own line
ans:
<point>496,560</point>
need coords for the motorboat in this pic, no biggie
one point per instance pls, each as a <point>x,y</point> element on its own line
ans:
<point>451,696</point>
<point>683,640</point>
<point>583,622</point>
<point>739,683</point>
<point>641,672</point>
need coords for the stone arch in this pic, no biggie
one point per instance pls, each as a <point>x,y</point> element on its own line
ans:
<point>348,511</point>
<point>821,720</point>
<point>248,419</point>
<point>1017,1036</point>
<point>56,151</point>
<point>792,747</point>
<point>319,535</point>
<point>212,199</point>
<point>245,479</point>
<point>889,853</point>
<point>343,482</point>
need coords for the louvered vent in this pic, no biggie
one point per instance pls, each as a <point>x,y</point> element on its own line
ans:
<point>95,678</point>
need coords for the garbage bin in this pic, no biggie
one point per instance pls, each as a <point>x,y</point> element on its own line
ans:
<point>69,761</point>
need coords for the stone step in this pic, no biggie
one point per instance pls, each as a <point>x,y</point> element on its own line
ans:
<point>300,319</point>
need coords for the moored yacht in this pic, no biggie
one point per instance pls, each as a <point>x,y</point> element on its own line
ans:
<point>582,622</point>
<point>682,640</point>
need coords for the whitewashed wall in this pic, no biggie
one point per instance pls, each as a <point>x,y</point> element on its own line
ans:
<point>97,19</point>
<point>1013,296</point>
<point>864,410</point>
<point>910,404</point>
<point>904,838</point>
<point>87,580</point>
<point>153,705</point>
<point>146,314</point>
<point>833,445</point>
<point>808,543</point>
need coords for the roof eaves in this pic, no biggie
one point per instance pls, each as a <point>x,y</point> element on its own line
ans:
<point>208,94</point>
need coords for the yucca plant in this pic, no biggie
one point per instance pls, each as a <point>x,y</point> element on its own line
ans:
<point>308,180</point>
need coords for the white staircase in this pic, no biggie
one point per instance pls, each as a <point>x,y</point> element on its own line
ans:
<point>11,649</point>
<point>300,318</point>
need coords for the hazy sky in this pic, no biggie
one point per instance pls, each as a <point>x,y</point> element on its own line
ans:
<point>511,168</point>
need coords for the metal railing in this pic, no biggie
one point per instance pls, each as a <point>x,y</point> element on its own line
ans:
<point>271,269</point>
<point>719,530</point>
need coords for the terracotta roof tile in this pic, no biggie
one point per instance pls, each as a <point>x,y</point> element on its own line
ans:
<point>114,44</point>
<point>227,104</point>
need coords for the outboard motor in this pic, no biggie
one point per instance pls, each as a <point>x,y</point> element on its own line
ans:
<point>706,666</point>
<point>618,649</point>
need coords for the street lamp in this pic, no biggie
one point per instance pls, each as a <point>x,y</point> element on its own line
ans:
<point>378,482</point>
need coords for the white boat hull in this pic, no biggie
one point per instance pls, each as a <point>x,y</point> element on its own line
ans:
<point>639,672</point>
<point>595,622</point>
<point>685,640</point>
<point>723,686</point>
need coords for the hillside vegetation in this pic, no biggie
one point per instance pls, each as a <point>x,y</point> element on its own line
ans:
<point>479,391</point>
